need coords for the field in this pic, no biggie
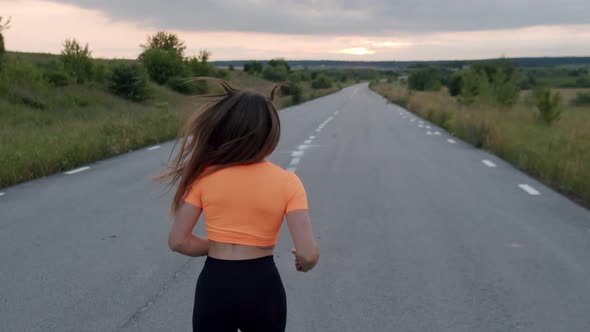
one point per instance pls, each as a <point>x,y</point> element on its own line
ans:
<point>82,123</point>
<point>558,155</point>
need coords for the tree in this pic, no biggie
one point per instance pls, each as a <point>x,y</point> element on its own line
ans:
<point>279,62</point>
<point>424,79</point>
<point>77,60</point>
<point>162,65</point>
<point>166,41</point>
<point>3,26</point>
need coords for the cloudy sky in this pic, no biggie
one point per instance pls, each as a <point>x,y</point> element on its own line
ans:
<point>309,29</point>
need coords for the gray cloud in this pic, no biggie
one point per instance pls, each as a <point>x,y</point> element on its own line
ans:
<point>341,17</point>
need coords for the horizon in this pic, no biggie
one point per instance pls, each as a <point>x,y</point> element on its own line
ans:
<point>339,31</point>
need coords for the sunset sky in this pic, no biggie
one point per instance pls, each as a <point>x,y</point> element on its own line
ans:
<point>308,29</point>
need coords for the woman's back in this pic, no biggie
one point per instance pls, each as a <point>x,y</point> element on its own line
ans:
<point>246,204</point>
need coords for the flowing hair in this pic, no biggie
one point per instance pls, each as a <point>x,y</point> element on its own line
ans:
<point>235,127</point>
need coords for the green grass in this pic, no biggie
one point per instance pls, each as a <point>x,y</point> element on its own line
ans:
<point>558,155</point>
<point>46,129</point>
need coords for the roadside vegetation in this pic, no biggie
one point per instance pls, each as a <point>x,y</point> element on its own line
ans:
<point>61,111</point>
<point>526,117</point>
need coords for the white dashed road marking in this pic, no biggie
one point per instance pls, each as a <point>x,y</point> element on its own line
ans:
<point>295,161</point>
<point>452,141</point>
<point>437,132</point>
<point>1,194</point>
<point>292,169</point>
<point>153,148</point>
<point>311,137</point>
<point>428,133</point>
<point>303,147</point>
<point>77,170</point>
<point>307,142</point>
<point>488,163</point>
<point>529,189</point>
<point>427,127</point>
<point>420,126</point>
<point>297,154</point>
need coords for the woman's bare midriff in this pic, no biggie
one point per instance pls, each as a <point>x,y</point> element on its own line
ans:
<point>230,251</point>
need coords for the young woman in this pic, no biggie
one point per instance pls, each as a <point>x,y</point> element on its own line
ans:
<point>221,171</point>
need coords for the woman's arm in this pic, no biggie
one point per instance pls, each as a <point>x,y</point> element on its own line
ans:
<point>181,238</point>
<point>306,249</point>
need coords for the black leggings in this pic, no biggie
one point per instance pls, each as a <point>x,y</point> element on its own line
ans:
<point>245,294</point>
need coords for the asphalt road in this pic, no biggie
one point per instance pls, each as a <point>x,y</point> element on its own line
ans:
<point>416,232</point>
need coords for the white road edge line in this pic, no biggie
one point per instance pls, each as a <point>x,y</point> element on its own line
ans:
<point>297,154</point>
<point>452,141</point>
<point>488,163</point>
<point>295,161</point>
<point>529,189</point>
<point>77,170</point>
<point>153,148</point>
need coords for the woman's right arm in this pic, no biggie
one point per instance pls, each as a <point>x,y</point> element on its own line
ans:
<point>306,248</point>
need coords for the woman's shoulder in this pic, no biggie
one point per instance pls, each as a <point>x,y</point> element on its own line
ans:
<point>279,171</point>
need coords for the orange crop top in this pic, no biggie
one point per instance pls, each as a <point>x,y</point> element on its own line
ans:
<point>246,204</point>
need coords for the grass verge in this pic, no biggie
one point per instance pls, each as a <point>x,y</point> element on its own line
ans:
<point>80,124</point>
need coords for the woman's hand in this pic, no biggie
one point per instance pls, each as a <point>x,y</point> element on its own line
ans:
<point>297,262</point>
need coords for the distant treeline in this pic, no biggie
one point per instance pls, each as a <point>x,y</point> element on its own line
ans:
<point>521,62</point>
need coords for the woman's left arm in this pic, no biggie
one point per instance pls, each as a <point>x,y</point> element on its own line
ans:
<point>181,238</point>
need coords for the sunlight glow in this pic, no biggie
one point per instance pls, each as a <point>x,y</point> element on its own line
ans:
<point>357,51</point>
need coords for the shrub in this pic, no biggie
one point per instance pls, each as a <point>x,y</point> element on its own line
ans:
<point>22,83</point>
<point>77,60</point>
<point>582,99</point>
<point>220,73</point>
<point>275,74</point>
<point>321,82</point>
<point>231,68</point>
<point>199,66</point>
<point>455,84</point>
<point>100,72</point>
<point>279,62</point>
<point>162,65</point>
<point>548,104</point>
<point>130,81</point>
<point>505,86</point>
<point>55,74</point>
<point>185,86</point>
<point>253,67</point>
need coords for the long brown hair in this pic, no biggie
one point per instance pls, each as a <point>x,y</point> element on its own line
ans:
<point>235,127</point>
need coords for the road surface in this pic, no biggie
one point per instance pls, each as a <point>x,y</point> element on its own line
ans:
<point>418,231</point>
